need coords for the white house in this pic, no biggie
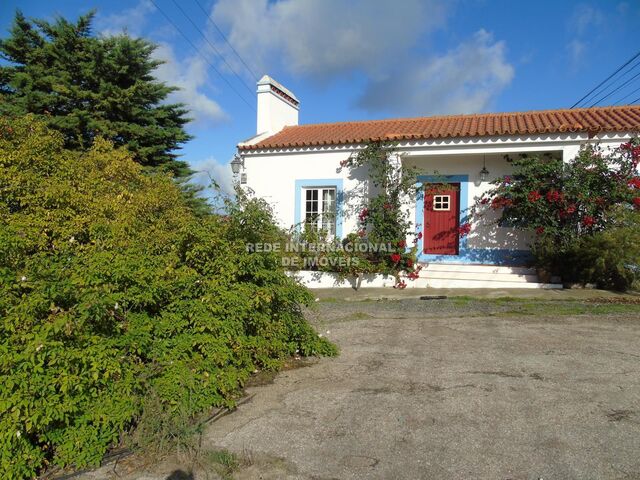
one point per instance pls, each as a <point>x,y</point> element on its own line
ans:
<point>296,168</point>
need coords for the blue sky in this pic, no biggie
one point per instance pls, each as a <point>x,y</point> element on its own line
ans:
<point>366,59</point>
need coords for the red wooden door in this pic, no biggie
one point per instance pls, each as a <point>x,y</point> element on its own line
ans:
<point>441,219</point>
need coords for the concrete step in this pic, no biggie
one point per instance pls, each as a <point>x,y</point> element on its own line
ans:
<point>465,283</point>
<point>472,268</point>
<point>488,277</point>
<point>457,275</point>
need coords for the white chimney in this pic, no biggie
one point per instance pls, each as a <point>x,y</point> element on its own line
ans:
<point>277,106</point>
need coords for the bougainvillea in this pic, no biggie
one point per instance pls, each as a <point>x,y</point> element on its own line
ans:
<point>383,208</point>
<point>566,201</point>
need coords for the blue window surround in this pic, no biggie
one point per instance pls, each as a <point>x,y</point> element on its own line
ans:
<point>319,182</point>
<point>494,256</point>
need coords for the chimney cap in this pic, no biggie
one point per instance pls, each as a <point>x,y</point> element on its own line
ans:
<point>267,80</point>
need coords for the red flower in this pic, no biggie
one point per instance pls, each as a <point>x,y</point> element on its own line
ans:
<point>364,214</point>
<point>400,285</point>
<point>571,208</point>
<point>362,233</point>
<point>507,179</point>
<point>636,202</point>
<point>540,230</point>
<point>387,206</point>
<point>402,243</point>
<point>501,202</point>
<point>409,263</point>
<point>634,182</point>
<point>588,221</point>
<point>464,229</point>
<point>553,196</point>
<point>534,196</point>
<point>395,257</point>
<point>419,236</point>
<point>484,201</point>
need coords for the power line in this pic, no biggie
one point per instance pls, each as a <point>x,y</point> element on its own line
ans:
<point>225,39</point>
<point>212,46</point>
<point>627,96</point>
<point>201,55</point>
<point>613,83</point>
<point>614,91</point>
<point>635,101</point>
<point>607,79</point>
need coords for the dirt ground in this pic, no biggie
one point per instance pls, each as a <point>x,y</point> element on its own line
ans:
<point>454,388</point>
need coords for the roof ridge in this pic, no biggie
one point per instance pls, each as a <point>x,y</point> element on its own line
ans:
<point>466,115</point>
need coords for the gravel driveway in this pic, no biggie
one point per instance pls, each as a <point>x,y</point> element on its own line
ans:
<point>447,390</point>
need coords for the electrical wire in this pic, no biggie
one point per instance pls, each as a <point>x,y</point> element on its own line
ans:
<point>606,79</point>
<point>226,40</point>
<point>201,55</point>
<point>250,89</point>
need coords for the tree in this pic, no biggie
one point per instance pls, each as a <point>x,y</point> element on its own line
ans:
<point>88,87</point>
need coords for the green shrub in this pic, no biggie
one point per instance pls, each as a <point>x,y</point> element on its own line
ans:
<point>609,259</point>
<point>112,293</point>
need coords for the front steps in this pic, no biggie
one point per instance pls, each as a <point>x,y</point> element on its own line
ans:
<point>450,275</point>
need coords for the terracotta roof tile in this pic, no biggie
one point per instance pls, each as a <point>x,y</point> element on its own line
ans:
<point>601,119</point>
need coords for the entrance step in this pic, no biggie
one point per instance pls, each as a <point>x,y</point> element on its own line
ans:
<point>449,275</point>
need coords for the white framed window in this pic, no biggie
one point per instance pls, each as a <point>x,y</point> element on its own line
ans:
<point>442,202</point>
<point>320,209</point>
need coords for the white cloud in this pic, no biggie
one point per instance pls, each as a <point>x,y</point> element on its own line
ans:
<point>465,80</point>
<point>209,169</point>
<point>323,38</point>
<point>132,20</point>
<point>576,50</point>
<point>585,23</point>
<point>585,17</point>
<point>190,76</point>
<point>385,40</point>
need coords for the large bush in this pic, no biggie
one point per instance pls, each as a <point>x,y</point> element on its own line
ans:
<point>112,293</point>
<point>582,212</point>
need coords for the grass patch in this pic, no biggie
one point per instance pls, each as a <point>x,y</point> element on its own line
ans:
<point>224,463</point>
<point>358,316</point>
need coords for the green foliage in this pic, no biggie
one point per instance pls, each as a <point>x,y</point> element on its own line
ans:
<point>86,87</point>
<point>115,296</point>
<point>575,210</point>
<point>384,210</point>
<point>610,258</point>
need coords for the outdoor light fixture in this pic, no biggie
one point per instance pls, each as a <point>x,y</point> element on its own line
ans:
<point>236,164</point>
<point>484,173</point>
